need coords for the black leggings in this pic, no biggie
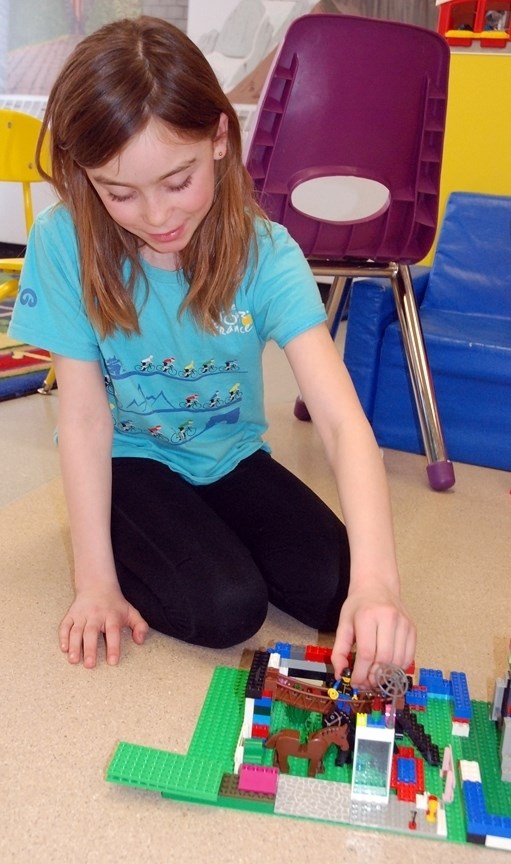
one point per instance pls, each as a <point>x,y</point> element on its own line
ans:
<point>201,563</point>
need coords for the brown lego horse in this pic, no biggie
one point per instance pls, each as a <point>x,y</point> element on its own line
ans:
<point>287,743</point>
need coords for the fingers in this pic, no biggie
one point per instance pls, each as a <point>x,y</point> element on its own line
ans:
<point>64,629</point>
<point>82,637</point>
<point>113,642</point>
<point>383,635</point>
<point>342,646</point>
<point>78,635</point>
<point>90,635</point>
<point>138,626</point>
<point>71,638</point>
<point>80,631</point>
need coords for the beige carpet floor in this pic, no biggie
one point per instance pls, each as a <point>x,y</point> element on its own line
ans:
<point>60,724</point>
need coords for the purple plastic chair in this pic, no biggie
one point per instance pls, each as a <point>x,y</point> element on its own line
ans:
<point>345,151</point>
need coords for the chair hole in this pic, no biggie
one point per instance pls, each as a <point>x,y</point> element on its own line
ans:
<point>341,198</point>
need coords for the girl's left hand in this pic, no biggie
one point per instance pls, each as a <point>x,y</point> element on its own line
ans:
<point>376,622</point>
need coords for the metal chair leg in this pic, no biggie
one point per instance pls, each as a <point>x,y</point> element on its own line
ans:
<point>337,302</point>
<point>48,383</point>
<point>440,470</point>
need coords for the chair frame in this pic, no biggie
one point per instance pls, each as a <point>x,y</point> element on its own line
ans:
<point>387,259</point>
<point>439,468</point>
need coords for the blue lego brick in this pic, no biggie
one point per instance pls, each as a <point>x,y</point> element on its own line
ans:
<point>406,770</point>
<point>261,720</point>
<point>462,708</point>
<point>416,697</point>
<point>282,648</point>
<point>479,821</point>
<point>263,705</point>
<point>475,808</point>
<point>435,682</point>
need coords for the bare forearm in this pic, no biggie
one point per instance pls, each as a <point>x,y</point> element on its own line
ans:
<point>85,456</point>
<point>365,503</point>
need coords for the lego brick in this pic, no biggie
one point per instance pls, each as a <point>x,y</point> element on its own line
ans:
<point>297,652</point>
<point>408,723</point>
<point>406,770</point>
<point>503,843</point>
<point>258,778</point>
<point>478,809</point>
<point>282,648</point>
<point>257,674</point>
<point>168,773</point>
<point>261,719</point>
<point>434,682</point>
<point>417,697</point>
<point>316,652</point>
<point>260,730</point>
<point>253,752</point>
<point>309,675</point>
<point>462,709</point>
<point>225,698</point>
<point>230,795</point>
<point>460,729</point>
<point>315,799</point>
<point>322,669</point>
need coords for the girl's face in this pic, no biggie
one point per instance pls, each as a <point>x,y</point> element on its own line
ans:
<point>160,188</point>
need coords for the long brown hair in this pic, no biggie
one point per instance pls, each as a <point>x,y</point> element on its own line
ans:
<point>112,84</point>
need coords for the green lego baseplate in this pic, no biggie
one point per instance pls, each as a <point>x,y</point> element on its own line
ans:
<point>222,742</point>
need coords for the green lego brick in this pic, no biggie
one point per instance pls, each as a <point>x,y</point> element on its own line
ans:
<point>205,774</point>
<point>483,746</point>
<point>253,751</point>
<point>218,727</point>
<point>168,773</point>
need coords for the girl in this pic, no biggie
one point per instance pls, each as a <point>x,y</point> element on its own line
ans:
<point>180,518</point>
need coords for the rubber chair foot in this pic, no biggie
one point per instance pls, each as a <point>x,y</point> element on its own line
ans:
<point>300,410</point>
<point>441,475</point>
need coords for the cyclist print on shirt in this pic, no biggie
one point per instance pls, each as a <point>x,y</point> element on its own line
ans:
<point>163,389</point>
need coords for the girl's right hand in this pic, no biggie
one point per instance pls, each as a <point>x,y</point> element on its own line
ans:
<point>94,612</point>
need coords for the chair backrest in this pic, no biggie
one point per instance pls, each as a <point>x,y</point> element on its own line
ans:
<point>346,147</point>
<point>471,270</point>
<point>18,139</point>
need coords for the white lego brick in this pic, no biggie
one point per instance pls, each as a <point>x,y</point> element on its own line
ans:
<point>498,842</point>
<point>459,729</point>
<point>470,770</point>
<point>441,821</point>
<point>248,717</point>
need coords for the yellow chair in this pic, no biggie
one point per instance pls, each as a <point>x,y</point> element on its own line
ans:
<point>19,134</point>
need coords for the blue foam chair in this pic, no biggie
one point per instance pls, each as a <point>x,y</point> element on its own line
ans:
<point>465,313</point>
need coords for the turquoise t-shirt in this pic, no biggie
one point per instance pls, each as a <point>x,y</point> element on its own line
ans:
<point>190,399</point>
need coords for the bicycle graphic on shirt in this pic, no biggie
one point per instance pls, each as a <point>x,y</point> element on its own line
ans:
<point>184,432</point>
<point>168,367</point>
